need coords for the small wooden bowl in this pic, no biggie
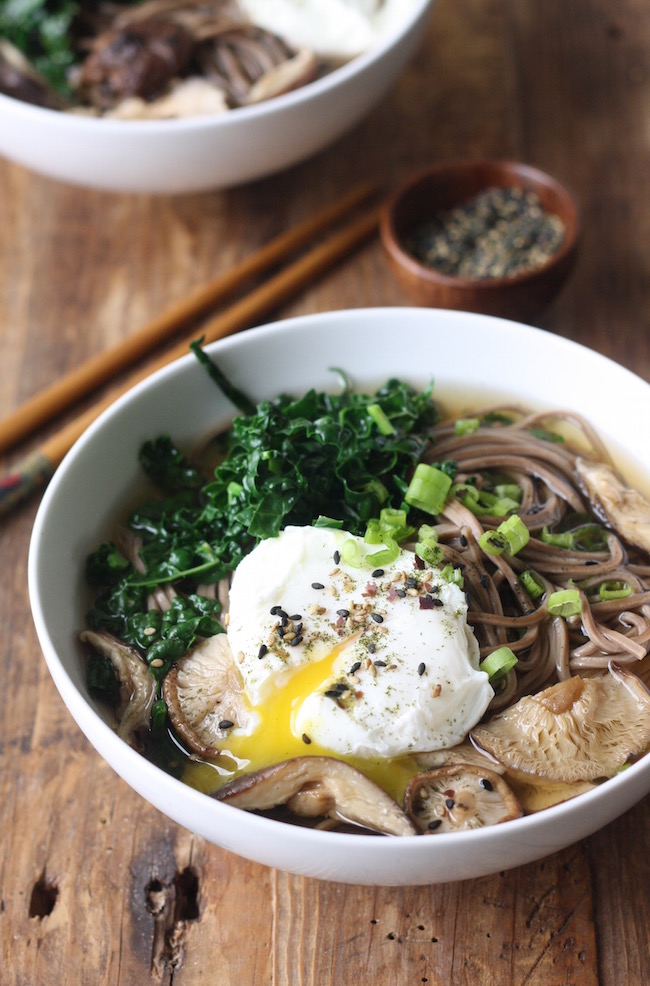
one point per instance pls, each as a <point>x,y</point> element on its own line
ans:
<point>520,296</point>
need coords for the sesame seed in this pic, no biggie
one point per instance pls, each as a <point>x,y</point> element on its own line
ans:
<point>156,663</point>
<point>421,668</point>
<point>380,664</point>
<point>296,617</point>
<point>262,652</point>
<point>436,691</point>
<point>449,803</point>
<point>372,648</point>
<point>226,619</point>
<point>317,585</point>
<point>378,572</point>
<point>486,784</point>
<point>226,724</point>
<point>343,612</point>
<point>377,617</point>
<point>337,557</point>
<point>436,823</point>
<point>274,610</point>
<point>148,631</point>
<point>306,739</point>
<point>355,667</point>
<point>401,593</point>
<point>438,602</point>
<point>463,541</point>
<point>296,640</point>
<point>241,656</point>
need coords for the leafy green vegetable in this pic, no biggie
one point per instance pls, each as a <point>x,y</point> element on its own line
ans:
<point>42,30</point>
<point>319,458</point>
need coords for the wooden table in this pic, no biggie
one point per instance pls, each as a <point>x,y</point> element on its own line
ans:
<point>97,886</point>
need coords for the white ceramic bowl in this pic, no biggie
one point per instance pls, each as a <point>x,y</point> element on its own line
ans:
<point>192,155</point>
<point>457,349</point>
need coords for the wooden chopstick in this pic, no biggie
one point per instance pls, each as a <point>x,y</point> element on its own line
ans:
<point>70,388</point>
<point>37,468</point>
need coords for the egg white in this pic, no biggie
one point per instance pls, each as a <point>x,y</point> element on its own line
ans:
<point>389,679</point>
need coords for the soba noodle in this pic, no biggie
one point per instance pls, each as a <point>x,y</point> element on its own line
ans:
<point>500,610</point>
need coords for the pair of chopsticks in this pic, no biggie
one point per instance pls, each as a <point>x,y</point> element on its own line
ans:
<point>36,469</point>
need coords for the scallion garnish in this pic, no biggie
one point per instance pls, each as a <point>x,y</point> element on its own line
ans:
<point>565,602</point>
<point>614,589</point>
<point>428,489</point>
<point>497,664</point>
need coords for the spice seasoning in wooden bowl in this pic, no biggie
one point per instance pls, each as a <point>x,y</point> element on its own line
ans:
<point>487,236</point>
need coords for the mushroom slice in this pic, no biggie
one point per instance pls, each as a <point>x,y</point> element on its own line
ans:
<point>535,794</point>
<point>581,729</point>
<point>294,72</point>
<point>463,753</point>
<point>137,685</point>
<point>205,696</point>
<point>319,787</point>
<point>458,797</point>
<point>627,510</point>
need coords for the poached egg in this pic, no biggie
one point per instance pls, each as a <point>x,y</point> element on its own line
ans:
<point>367,664</point>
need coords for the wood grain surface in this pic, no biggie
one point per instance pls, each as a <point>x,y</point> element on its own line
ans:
<point>96,886</point>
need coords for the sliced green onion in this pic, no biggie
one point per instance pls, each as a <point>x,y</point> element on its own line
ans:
<point>614,589</point>
<point>352,554</point>
<point>565,602</point>
<point>428,489</point>
<point>504,505</point>
<point>453,575</point>
<point>492,543</point>
<point>381,419</point>
<point>509,490</point>
<point>385,555</point>
<point>427,547</point>
<point>590,537</point>
<point>564,539</point>
<point>532,583</point>
<point>466,426</point>
<point>498,663</point>
<point>515,532</point>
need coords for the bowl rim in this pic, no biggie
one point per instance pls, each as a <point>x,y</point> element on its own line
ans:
<point>357,65</point>
<point>115,751</point>
<point>392,242</point>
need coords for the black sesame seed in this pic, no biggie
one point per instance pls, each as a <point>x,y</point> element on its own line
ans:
<point>282,614</point>
<point>337,557</point>
<point>378,572</point>
<point>317,585</point>
<point>284,620</point>
<point>463,541</point>
<point>296,617</point>
<point>449,803</point>
<point>400,592</point>
<point>343,612</point>
<point>280,632</point>
<point>262,651</point>
<point>436,823</point>
<point>421,668</point>
<point>355,667</point>
<point>306,739</point>
<point>226,724</point>
<point>296,640</point>
<point>484,580</point>
<point>411,583</point>
<point>377,617</point>
<point>437,602</point>
<point>371,648</point>
<point>275,610</point>
<point>297,628</point>
<point>380,664</point>
<point>486,784</point>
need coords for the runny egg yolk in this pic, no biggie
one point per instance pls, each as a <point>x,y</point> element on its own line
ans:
<point>274,738</point>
